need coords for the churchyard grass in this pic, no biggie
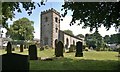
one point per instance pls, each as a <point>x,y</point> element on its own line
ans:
<point>91,60</point>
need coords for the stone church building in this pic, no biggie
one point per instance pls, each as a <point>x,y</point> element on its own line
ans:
<point>50,30</point>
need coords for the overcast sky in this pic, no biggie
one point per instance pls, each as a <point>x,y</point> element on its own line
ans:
<point>64,25</point>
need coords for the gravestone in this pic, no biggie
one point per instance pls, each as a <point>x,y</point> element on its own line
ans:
<point>59,49</point>
<point>56,46</point>
<point>9,47</point>
<point>79,51</point>
<point>33,52</point>
<point>71,49</point>
<point>15,62</point>
<point>21,48</point>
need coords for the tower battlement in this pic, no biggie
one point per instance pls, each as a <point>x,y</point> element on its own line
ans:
<point>50,10</point>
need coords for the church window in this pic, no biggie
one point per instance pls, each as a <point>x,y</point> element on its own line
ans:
<point>67,42</point>
<point>46,19</point>
<point>56,29</point>
<point>56,19</point>
<point>73,42</point>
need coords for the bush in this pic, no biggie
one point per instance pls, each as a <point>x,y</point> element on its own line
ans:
<point>46,47</point>
<point>97,49</point>
<point>84,46</point>
<point>42,48</point>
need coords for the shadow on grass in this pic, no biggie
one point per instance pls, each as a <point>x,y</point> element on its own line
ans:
<point>71,64</point>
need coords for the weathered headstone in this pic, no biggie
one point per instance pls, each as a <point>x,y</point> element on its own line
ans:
<point>56,46</point>
<point>71,49</point>
<point>33,52</point>
<point>9,47</point>
<point>59,49</point>
<point>21,48</point>
<point>15,62</point>
<point>79,51</point>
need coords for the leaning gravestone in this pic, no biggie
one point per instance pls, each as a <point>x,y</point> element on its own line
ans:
<point>9,47</point>
<point>33,52</point>
<point>59,49</point>
<point>79,49</point>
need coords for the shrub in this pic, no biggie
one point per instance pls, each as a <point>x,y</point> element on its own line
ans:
<point>42,48</point>
<point>46,47</point>
<point>97,49</point>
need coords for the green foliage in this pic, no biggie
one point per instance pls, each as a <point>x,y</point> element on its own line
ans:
<point>94,14</point>
<point>80,35</point>
<point>94,40</point>
<point>9,8</point>
<point>21,29</point>
<point>106,39</point>
<point>68,32</point>
<point>115,38</point>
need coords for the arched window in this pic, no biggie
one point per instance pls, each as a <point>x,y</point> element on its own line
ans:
<point>46,19</point>
<point>56,19</point>
<point>73,42</point>
<point>56,28</point>
<point>67,42</point>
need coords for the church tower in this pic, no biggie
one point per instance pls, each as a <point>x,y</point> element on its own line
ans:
<point>50,26</point>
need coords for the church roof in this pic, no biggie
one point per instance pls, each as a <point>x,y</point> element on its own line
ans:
<point>71,35</point>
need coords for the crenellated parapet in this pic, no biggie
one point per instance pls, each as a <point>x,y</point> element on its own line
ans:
<point>50,10</point>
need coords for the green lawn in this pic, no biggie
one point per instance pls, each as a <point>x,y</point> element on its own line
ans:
<point>92,60</point>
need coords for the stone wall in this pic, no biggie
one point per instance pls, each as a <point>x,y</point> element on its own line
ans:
<point>46,29</point>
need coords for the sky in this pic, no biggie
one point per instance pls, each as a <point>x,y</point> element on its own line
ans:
<point>64,25</point>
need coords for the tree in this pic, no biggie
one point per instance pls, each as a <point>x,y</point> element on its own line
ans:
<point>94,40</point>
<point>8,9</point>
<point>115,38</point>
<point>106,39</point>
<point>80,35</point>
<point>94,14</point>
<point>21,30</point>
<point>68,32</point>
